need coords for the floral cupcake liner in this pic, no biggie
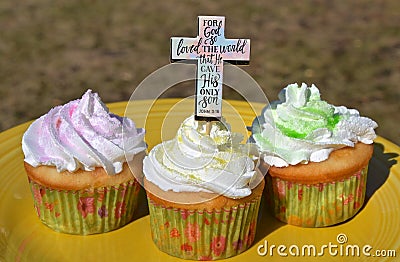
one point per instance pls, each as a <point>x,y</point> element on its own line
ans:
<point>202,234</point>
<point>316,205</point>
<point>85,212</point>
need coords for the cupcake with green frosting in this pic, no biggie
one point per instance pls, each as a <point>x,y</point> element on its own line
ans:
<point>316,156</point>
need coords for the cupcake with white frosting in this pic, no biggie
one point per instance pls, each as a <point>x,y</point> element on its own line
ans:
<point>76,159</point>
<point>203,192</point>
<point>316,155</point>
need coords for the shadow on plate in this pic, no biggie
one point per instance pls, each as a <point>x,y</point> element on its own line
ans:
<point>142,207</point>
<point>379,169</point>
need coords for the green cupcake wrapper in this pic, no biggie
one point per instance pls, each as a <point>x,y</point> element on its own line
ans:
<point>84,212</point>
<point>202,234</point>
<point>317,205</point>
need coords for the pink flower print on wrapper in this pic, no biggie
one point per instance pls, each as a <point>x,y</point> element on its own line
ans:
<point>205,258</point>
<point>49,206</point>
<point>358,174</point>
<point>321,187</point>
<point>86,206</point>
<point>218,245</point>
<point>192,232</point>
<point>120,209</point>
<point>184,214</point>
<point>216,221</point>
<point>237,245</point>
<point>102,212</point>
<point>300,194</point>
<point>123,189</point>
<point>187,248</point>
<point>100,196</point>
<point>174,233</point>
<point>252,233</point>
<point>348,200</point>
<point>280,186</point>
<point>360,189</point>
<point>38,194</point>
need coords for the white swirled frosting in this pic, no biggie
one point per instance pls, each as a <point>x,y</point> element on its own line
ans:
<point>300,127</point>
<point>82,134</point>
<point>194,161</point>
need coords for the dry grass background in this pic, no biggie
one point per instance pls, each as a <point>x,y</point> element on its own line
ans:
<point>52,51</point>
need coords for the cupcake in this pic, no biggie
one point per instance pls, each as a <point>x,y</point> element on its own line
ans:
<point>316,155</point>
<point>76,159</point>
<point>203,192</point>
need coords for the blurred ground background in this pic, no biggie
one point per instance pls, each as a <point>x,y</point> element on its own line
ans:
<point>52,51</point>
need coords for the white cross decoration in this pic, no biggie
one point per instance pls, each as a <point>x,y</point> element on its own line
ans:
<point>211,50</point>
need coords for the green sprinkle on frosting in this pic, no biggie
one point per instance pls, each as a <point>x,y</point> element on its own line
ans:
<point>302,128</point>
<point>302,111</point>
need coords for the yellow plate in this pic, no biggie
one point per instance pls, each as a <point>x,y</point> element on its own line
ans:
<point>374,230</point>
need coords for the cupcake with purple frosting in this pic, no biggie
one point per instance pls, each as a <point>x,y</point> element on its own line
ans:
<point>76,159</point>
